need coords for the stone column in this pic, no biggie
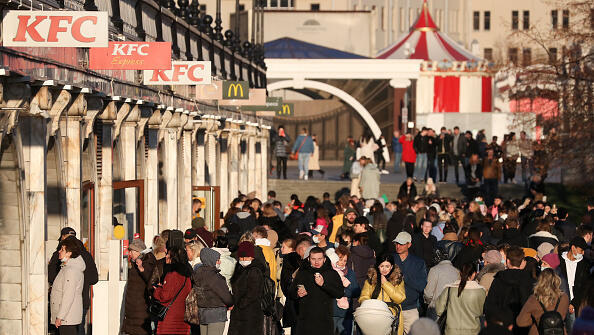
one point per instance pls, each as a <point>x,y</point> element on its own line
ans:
<point>128,162</point>
<point>200,158</point>
<point>171,121</point>
<point>32,130</point>
<point>251,151</point>
<point>243,164</point>
<point>185,177</point>
<point>265,164</point>
<point>223,170</point>
<point>211,158</point>
<point>234,159</point>
<point>105,188</point>
<point>259,167</point>
<point>72,151</point>
<point>152,179</point>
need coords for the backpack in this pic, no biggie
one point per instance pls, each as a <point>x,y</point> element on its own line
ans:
<point>268,296</point>
<point>551,322</point>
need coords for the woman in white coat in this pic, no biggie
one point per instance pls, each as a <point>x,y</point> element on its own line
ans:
<point>314,160</point>
<point>66,297</point>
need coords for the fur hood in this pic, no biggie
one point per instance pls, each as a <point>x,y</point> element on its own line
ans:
<point>490,268</point>
<point>395,277</point>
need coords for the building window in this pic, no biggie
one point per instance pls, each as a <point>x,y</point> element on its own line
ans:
<point>487,23</point>
<point>515,19</point>
<point>554,18</point>
<point>526,20</point>
<point>476,21</point>
<point>513,55</point>
<point>552,55</point>
<point>315,7</point>
<point>489,54</point>
<point>278,3</point>
<point>273,3</point>
<point>565,19</point>
<point>202,8</point>
<point>526,56</point>
<point>241,7</point>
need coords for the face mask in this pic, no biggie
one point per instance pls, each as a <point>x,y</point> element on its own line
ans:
<point>578,257</point>
<point>316,239</point>
<point>542,267</point>
<point>245,263</point>
<point>218,266</point>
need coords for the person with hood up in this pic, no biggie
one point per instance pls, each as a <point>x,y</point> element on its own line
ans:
<point>492,266</point>
<point>543,234</point>
<point>441,274</point>
<point>247,316</point>
<point>213,295</point>
<point>177,278</point>
<point>316,286</point>
<point>362,258</point>
<point>241,223</point>
<point>221,245</point>
<point>66,298</point>
<point>511,287</point>
<point>343,307</point>
<point>369,182</point>
<point>463,300</point>
<point>385,282</point>
<point>140,268</point>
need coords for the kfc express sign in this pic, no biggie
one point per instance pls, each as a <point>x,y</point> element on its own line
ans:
<point>180,73</point>
<point>23,28</point>
<point>131,56</point>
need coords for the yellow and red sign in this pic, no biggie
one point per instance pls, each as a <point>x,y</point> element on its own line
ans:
<point>131,56</point>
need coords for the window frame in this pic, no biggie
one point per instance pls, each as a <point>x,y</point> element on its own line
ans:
<point>476,20</point>
<point>487,20</point>
<point>515,20</point>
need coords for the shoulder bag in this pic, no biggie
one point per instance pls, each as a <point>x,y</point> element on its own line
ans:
<point>159,310</point>
<point>295,156</point>
<point>441,322</point>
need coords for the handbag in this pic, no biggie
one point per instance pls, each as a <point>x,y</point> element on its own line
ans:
<point>441,321</point>
<point>295,156</point>
<point>192,312</point>
<point>159,310</point>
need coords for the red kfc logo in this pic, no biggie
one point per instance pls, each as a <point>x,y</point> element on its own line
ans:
<point>54,29</point>
<point>180,73</point>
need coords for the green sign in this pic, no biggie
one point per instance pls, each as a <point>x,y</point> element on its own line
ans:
<point>272,105</point>
<point>236,90</point>
<point>286,109</point>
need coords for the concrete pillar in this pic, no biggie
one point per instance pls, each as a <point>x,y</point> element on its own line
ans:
<point>223,169</point>
<point>33,132</point>
<point>170,164</point>
<point>151,227</point>
<point>234,160</point>
<point>200,158</point>
<point>259,167</point>
<point>128,163</point>
<point>211,158</point>
<point>265,165</point>
<point>185,178</point>
<point>251,184</point>
<point>71,145</point>
<point>243,164</point>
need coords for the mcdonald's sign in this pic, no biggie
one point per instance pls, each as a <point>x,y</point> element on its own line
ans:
<point>285,109</point>
<point>236,90</point>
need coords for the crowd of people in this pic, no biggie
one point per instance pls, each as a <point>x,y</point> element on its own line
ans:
<point>417,265</point>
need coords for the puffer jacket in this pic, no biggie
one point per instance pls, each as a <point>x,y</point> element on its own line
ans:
<point>280,145</point>
<point>66,297</point>
<point>452,247</point>
<point>227,264</point>
<point>464,311</point>
<point>391,292</point>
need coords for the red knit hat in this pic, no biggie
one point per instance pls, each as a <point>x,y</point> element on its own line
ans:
<point>246,249</point>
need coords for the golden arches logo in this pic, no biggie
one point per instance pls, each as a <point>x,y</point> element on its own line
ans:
<point>235,88</point>
<point>286,109</point>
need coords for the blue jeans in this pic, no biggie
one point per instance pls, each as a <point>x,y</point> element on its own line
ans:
<point>569,321</point>
<point>421,166</point>
<point>344,326</point>
<point>303,162</point>
<point>397,160</point>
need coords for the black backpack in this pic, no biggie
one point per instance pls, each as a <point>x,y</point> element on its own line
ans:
<point>551,322</point>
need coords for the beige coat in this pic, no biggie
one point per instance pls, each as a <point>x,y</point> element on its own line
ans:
<point>314,160</point>
<point>66,298</point>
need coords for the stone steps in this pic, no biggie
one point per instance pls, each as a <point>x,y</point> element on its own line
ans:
<point>305,188</point>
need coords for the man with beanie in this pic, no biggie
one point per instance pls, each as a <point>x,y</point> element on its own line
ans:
<point>140,268</point>
<point>91,276</point>
<point>316,286</point>
<point>350,215</point>
<point>574,271</point>
<point>213,296</point>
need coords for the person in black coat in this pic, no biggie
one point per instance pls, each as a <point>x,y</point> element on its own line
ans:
<point>582,272</point>
<point>316,286</point>
<point>444,152</point>
<point>473,249</point>
<point>564,225</point>
<point>362,226</point>
<point>512,235</point>
<point>247,316</point>
<point>423,243</point>
<point>402,220</point>
<point>291,263</point>
<point>91,276</point>
<point>408,189</point>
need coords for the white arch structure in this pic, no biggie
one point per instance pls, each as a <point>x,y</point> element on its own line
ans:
<point>337,92</point>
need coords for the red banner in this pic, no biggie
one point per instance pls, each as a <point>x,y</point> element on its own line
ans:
<point>446,94</point>
<point>131,56</point>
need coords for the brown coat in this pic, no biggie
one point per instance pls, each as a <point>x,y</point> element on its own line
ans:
<point>533,309</point>
<point>491,169</point>
<point>136,317</point>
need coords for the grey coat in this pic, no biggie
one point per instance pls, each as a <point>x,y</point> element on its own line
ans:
<point>439,276</point>
<point>280,145</point>
<point>66,301</point>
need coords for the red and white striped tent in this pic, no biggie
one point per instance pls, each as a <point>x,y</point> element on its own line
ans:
<point>452,79</point>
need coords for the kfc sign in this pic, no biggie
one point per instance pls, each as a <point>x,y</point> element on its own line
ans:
<point>180,73</point>
<point>24,28</point>
<point>131,56</point>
